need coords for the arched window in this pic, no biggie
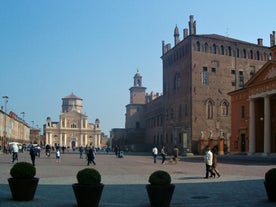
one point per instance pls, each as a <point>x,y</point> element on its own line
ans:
<point>251,54</point>
<point>229,51</point>
<point>73,125</point>
<point>222,50</point>
<point>206,47</point>
<point>258,55</point>
<point>237,52</point>
<point>172,113</point>
<point>244,53</point>
<point>198,46</point>
<point>177,81</point>
<point>224,108</point>
<point>214,49</point>
<point>210,109</point>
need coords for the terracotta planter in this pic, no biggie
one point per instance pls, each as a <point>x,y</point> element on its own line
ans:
<point>23,189</point>
<point>88,195</point>
<point>270,191</point>
<point>160,195</point>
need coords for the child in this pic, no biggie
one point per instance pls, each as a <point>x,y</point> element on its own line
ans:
<point>57,155</point>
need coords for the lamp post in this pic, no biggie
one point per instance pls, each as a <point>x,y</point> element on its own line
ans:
<point>23,115</point>
<point>23,131</point>
<point>5,123</point>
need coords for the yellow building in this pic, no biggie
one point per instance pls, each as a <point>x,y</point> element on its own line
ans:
<point>72,130</point>
<point>13,129</point>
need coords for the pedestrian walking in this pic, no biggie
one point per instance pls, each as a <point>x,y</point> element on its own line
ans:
<point>208,159</point>
<point>163,154</point>
<point>91,155</point>
<point>14,150</point>
<point>38,150</point>
<point>175,154</point>
<point>58,155</point>
<point>33,153</point>
<point>81,152</point>
<point>48,150</point>
<point>214,164</point>
<point>154,154</point>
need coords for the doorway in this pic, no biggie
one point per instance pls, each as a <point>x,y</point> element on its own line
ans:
<point>243,145</point>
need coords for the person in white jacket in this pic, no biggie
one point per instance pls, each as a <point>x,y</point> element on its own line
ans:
<point>208,158</point>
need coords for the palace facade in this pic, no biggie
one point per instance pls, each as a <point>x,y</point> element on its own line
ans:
<point>194,109</point>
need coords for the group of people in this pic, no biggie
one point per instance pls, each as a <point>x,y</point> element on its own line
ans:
<point>163,154</point>
<point>210,159</point>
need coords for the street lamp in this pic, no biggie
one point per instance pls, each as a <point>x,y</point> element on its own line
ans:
<point>5,122</point>
<point>23,114</point>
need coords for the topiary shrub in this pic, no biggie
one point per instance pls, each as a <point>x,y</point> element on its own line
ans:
<point>270,176</point>
<point>89,176</point>
<point>23,170</point>
<point>160,177</point>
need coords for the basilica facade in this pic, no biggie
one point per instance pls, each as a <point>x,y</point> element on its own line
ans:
<point>73,129</point>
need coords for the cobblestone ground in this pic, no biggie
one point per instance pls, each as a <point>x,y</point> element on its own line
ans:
<point>241,183</point>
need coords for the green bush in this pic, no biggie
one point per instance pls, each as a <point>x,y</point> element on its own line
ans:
<point>89,176</point>
<point>160,177</point>
<point>270,176</point>
<point>23,170</point>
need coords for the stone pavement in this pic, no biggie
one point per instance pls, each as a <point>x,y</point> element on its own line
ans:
<point>241,183</point>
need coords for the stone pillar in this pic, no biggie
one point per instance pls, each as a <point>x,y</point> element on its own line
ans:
<point>221,146</point>
<point>252,140</point>
<point>267,130</point>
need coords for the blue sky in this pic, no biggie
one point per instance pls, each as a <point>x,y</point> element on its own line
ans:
<point>51,48</point>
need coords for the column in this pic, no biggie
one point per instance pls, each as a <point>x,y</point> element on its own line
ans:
<point>65,139</point>
<point>267,130</point>
<point>60,139</point>
<point>85,139</point>
<point>50,139</point>
<point>252,140</point>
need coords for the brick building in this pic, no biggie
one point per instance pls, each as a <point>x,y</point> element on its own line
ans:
<point>254,112</point>
<point>198,72</point>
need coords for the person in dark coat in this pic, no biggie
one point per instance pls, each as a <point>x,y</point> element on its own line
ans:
<point>33,153</point>
<point>90,156</point>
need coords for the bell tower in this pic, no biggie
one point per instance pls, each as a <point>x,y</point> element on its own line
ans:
<point>135,109</point>
<point>137,92</point>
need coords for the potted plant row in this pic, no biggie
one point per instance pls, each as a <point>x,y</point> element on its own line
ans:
<point>89,188</point>
<point>23,182</point>
<point>270,184</point>
<point>160,190</point>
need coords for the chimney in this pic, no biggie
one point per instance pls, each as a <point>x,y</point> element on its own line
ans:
<point>163,47</point>
<point>191,25</point>
<point>260,41</point>
<point>272,39</point>
<point>185,33</point>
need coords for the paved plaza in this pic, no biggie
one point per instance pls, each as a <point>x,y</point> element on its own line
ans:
<point>241,183</point>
